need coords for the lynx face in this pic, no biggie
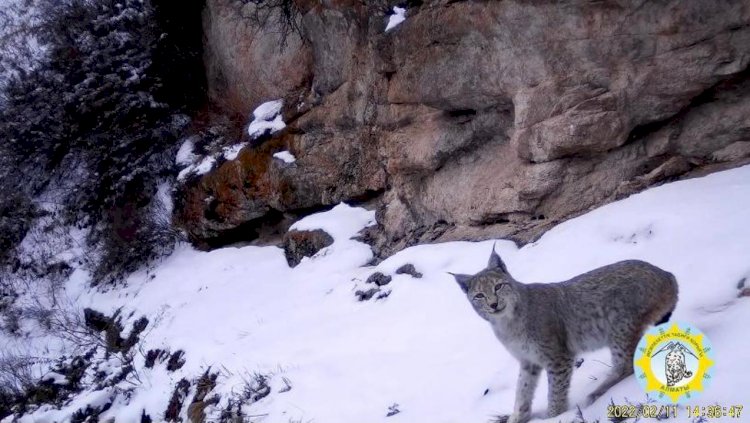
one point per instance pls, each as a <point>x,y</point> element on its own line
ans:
<point>491,294</point>
<point>492,291</point>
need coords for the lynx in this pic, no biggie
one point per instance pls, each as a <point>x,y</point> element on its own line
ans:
<point>545,325</point>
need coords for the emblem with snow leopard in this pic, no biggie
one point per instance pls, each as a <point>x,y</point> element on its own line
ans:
<point>674,361</point>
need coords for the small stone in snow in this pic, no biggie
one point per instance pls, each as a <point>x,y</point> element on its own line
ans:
<point>393,410</point>
<point>379,279</point>
<point>383,295</point>
<point>366,295</point>
<point>408,269</point>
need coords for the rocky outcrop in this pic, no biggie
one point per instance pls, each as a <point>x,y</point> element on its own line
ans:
<point>478,119</point>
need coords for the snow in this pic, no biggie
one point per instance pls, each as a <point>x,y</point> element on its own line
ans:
<point>194,165</point>
<point>267,118</point>
<point>341,223</point>
<point>285,156</point>
<point>240,310</point>
<point>268,110</point>
<point>398,16</point>
<point>205,165</point>
<point>259,127</point>
<point>200,168</point>
<point>231,152</point>
<point>184,173</point>
<point>56,378</point>
<point>185,156</point>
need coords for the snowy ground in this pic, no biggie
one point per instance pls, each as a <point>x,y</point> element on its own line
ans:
<point>422,350</point>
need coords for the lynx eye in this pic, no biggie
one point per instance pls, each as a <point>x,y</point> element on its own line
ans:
<point>479,296</point>
<point>501,287</point>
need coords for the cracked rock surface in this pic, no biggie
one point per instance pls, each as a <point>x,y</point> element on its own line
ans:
<point>473,120</point>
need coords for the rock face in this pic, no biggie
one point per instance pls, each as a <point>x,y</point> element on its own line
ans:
<point>476,119</point>
<point>246,65</point>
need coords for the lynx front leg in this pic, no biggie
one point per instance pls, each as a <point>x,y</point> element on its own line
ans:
<point>525,388</point>
<point>558,378</point>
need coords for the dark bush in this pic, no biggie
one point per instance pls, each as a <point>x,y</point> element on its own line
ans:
<point>99,117</point>
<point>16,213</point>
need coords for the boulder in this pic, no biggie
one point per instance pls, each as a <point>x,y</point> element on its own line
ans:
<point>300,244</point>
<point>366,294</point>
<point>408,269</point>
<point>379,279</point>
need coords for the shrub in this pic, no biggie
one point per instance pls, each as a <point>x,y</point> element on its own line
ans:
<point>99,118</point>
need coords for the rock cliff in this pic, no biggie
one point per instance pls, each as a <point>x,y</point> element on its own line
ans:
<point>470,119</point>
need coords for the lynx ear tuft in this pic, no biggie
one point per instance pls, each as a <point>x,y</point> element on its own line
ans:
<point>496,262</point>
<point>463,281</point>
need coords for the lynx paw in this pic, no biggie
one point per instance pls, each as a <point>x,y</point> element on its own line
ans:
<point>592,397</point>
<point>513,418</point>
<point>499,419</point>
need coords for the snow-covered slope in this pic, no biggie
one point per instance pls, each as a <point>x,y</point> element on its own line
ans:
<point>422,350</point>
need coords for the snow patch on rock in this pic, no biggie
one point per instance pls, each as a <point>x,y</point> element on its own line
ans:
<point>267,119</point>
<point>398,16</point>
<point>200,168</point>
<point>231,152</point>
<point>285,156</point>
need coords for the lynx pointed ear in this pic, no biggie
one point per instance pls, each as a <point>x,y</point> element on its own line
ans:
<point>463,281</point>
<point>495,261</point>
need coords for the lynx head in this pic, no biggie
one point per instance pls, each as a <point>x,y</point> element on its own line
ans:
<point>492,291</point>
